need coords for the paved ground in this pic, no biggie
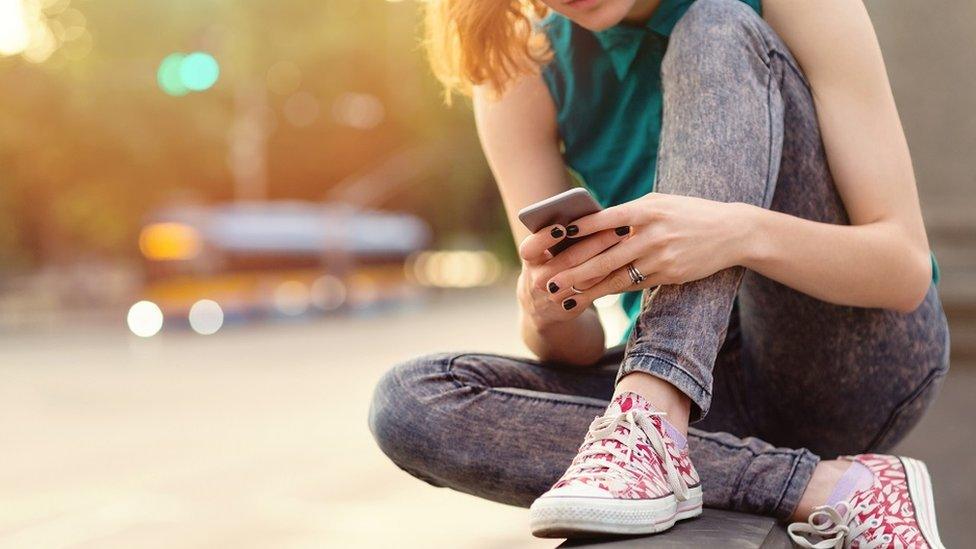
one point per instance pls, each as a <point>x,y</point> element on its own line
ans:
<point>256,437</point>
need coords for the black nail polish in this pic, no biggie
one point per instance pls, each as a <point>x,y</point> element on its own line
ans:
<point>622,230</point>
<point>553,288</point>
<point>569,304</point>
<point>572,230</point>
<point>556,232</point>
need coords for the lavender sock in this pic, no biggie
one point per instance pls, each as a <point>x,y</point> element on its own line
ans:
<point>679,440</point>
<point>856,478</point>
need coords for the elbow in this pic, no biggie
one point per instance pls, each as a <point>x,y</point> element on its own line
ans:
<point>909,304</point>
<point>918,279</point>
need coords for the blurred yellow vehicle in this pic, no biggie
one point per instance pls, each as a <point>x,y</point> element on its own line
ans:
<point>287,259</point>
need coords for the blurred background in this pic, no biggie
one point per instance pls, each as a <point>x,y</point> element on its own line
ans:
<point>221,222</point>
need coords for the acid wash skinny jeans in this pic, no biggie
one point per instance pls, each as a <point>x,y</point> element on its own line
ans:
<point>777,378</point>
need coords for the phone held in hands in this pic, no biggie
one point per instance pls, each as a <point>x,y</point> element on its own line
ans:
<point>561,209</point>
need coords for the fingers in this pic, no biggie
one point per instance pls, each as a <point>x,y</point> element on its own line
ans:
<point>578,254</point>
<point>616,217</point>
<point>617,282</point>
<point>597,267</point>
<point>534,248</point>
<point>562,293</point>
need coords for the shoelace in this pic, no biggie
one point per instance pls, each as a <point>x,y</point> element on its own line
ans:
<point>837,526</point>
<point>605,428</point>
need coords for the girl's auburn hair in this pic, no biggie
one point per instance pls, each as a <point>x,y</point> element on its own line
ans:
<point>483,42</point>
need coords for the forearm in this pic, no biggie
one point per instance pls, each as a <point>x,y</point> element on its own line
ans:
<point>871,265</point>
<point>580,341</point>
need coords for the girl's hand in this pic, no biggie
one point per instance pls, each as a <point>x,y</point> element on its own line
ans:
<point>535,285</point>
<point>674,239</point>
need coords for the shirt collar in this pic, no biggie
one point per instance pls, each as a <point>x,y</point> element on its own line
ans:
<point>623,41</point>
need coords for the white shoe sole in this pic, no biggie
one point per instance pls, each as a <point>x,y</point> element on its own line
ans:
<point>920,490</point>
<point>691,507</point>
<point>568,517</point>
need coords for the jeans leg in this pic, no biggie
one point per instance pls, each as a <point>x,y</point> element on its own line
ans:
<point>724,76</point>
<point>748,474</point>
<point>498,427</point>
<point>505,428</point>
<point>722,135</point>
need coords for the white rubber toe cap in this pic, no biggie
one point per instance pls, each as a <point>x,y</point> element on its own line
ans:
<point>578,490</point>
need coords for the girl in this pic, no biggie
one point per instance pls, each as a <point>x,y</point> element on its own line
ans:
<point>762,223</point>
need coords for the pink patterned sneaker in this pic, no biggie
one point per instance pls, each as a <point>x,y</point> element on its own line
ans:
<point>896,511</point>
<point>629,477</point>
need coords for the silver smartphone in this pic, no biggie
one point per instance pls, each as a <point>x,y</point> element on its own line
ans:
<point>562,208</point>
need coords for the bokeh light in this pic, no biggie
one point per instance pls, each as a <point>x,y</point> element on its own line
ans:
<point>328,292</point>
<point>361,111</point>
<point>454,268</point>
<point>14,31</point>
<point>199,71</point>
<point>69,17</point>
<point>292,298</point>
<point>179,73</point>
<point>168,75</point>
<point>206,317</point>
<point>79,45</point>
<point>145,319</point>
<point>36,29</point>
<point>169,242</point>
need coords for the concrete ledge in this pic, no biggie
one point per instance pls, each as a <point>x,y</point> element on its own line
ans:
<point>712,529</point>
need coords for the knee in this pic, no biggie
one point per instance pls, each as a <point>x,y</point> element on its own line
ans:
<point>399,413</point>
<point>382,417</point>
<point>717,34</point>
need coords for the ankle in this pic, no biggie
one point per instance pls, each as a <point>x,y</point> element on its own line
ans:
<point>825,477</point>
<point>661,394</point>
